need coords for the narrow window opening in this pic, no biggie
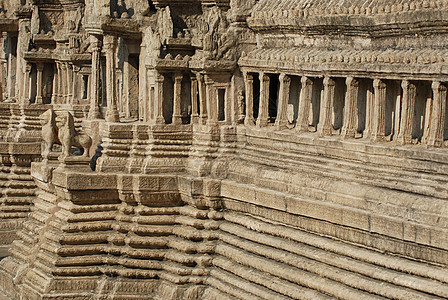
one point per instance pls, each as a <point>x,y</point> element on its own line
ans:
<point>256,91</point>
<point>151,101</point>
<point>85,82</point>
<point>317,93</point>
<point>294,96</point>
<point>421,119</point>
<point>221,104</point>
<point>273,97</point>
<point>393,108</point>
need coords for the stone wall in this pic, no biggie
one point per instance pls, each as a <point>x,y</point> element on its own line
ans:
<point>268,221</point>
<point>243,149</point>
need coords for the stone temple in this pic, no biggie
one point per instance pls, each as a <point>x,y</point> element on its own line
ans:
<point>223,149</point>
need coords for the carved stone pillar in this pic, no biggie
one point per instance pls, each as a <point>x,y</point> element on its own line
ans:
<point>325,125</point>
<point>75,87</point>
<point>12,72</point>
<point>283,99</point>
<point>379,110</point>
<point>306,95</point>
<point>202,98</point>
<point>3,65</point>
<point>22,79</point>
<point>370,100</point>
<point>438,115</point>
<point>94,111</point>
<point>159,99</point>
<point>263,111</point>
<point>26,85</point>
<point>194,99</point>
<point>407,112</point>
<point>40,69</point>
<point>60,81</point>
<point>351,108</point>
<point>54,94</point>
<point>249,82</point>
<point>63,83</point>
<point>69,76</point>
<point>212,105</point>
<point>177,113</point>
<point>143,95</point>
<point>110,47</point>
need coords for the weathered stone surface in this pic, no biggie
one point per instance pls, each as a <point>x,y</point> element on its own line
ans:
<point>223,149</point>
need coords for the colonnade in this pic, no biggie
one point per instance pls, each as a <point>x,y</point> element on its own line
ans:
<point>406,116</point>
<point>196,98</point>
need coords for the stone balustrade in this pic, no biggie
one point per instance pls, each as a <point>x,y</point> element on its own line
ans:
<point>406,111</point>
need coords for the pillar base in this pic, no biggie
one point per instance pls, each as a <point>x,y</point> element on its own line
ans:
<point>177,119</point>
<point>249,122</point>
<point>112,116</point>
<point>94,114</point>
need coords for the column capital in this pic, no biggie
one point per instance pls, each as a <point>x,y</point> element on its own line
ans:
<point>208,80</point>
<point>350,81</point>
<point>178,76</point>
<point>305,80</point>
<point>285,78</point>
<point>95,43</point>
<point>405,84</point>
<point>437,85</point>
<point>109,43</point>
<point>328,81</point>
<point>40,67</point>
<point>264,77</point>
<point>159,78</point>
<point>27,68</point>
<point>248,76</point>
<point>379,84</point>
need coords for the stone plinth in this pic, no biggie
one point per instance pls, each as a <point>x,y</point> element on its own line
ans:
<point>18,189</point>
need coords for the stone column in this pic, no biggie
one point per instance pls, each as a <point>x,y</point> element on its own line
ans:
<point>26,85</point>
<point>69,71</point>
<point>212,101</point>
<point>194,99</point>
<point>94,110</point>
<point>143,95</point>
<point>325,125</point>
<point>349,128</point>
<point>12,72</point>
<point>110,47</point>
<point>159,99</point>
<point>40,69</point>
<point>63,83</point>
<point>202,98</point>
<point>379,110</point>
<point>438,115</point>
<point>60,85</point>
<point>76,84</point>
<point>249,82</point>
<point>3,65</point>
<point>54,94</point>
<point>177,113</point>
<point>283,98</point>
<point>407,113</point>
<point>306,95</point>
<point>22,79</point>
<point>369,114</point>
<point>263,110</point>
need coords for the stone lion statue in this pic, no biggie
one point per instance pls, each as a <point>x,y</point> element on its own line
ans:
<point>68,136</point>
<point>60,129</point>
<point>49,132</point>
